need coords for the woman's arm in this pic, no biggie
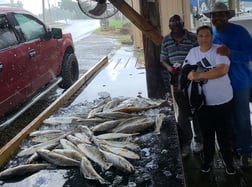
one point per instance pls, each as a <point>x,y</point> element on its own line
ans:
<point>219,71</point>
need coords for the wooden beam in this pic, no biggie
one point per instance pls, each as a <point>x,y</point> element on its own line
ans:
<point>12,146</point>
<point>152,52</point>
<point>140,22</point>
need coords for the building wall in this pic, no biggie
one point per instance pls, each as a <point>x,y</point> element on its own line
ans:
<point>170,7</point>
<point>167,8</point>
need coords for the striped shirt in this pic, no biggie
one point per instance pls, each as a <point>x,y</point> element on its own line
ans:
<point>175,52</point>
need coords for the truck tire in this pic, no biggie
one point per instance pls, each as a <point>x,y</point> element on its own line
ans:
<point>69,71</point>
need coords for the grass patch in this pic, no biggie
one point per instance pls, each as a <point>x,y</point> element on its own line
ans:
<point>123,38</point>
<point>115,24</point>
<point>120,30</point>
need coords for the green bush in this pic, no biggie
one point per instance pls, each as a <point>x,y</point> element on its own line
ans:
<point>116,24</point>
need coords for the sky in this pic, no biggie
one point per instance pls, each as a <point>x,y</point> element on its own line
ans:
<point>34,6</point>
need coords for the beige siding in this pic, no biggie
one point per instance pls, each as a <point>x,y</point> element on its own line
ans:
<point>167,8</point>
<point>170,7</point>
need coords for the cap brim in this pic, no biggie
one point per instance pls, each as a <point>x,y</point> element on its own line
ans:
<point>231,13</point>
<point>207,14</point>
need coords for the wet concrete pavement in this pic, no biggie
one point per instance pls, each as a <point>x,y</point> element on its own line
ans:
<point>91,49</point>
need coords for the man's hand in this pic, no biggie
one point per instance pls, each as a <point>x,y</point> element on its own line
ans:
<point>223,50</point>
<point>176,68</point>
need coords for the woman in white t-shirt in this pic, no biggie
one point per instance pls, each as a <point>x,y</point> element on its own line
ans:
<point>215,115</point>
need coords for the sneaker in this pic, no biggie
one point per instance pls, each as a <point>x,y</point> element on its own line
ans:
<point>246,162</point>
<point>206,168</point>
<point>197,147</point>
<point>185,150</point>
<point>230,170</point>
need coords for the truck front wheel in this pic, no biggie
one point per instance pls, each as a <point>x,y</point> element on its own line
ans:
<point>69,71</point>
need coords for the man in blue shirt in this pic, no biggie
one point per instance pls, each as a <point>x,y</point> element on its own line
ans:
<point>237,45</point>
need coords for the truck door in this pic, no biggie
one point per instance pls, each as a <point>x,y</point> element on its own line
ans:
<point>14,68</point>
<point>42,51</point>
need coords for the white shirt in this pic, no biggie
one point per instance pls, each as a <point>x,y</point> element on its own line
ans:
<point>217,91</point>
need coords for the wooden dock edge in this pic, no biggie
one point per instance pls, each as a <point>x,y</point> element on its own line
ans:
<point>12,146</point>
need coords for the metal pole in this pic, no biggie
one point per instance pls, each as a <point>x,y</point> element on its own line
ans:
<point>43,9</point>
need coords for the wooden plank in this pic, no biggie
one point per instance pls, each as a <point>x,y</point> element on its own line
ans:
<point>174,103</point>
<point>146,27</point>
<point>12,146</point>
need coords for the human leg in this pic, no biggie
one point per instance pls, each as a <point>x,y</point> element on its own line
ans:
<point>207,126</point>
<point>185,131</point>
<point>166,80</point>
<point>223,131</point>
<point>196,127</point>
<point>198,139</point>
<point>242,123</point>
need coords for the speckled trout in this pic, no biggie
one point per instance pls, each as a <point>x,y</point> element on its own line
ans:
<point>122,144</point>
<point>119,162</point>
<point>120,151</point>
<point>57,159</point>
<point>135,126</point>
<point>89,172</point>
<point>94,154</point>
<point>23,170</point>
<point>69,153</point>
<point>107,136</point>
<point>45,145</point>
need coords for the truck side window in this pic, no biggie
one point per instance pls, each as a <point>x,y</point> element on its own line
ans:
<point>7,36</point>
<point>31,28</point>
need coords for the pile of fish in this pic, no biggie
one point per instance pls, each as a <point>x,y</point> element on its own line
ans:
<point>98,136</point>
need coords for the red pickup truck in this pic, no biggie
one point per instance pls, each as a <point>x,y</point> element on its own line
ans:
<point>31,56</point>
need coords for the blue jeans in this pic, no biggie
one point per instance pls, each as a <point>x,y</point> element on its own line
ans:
<point>242,123</point>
